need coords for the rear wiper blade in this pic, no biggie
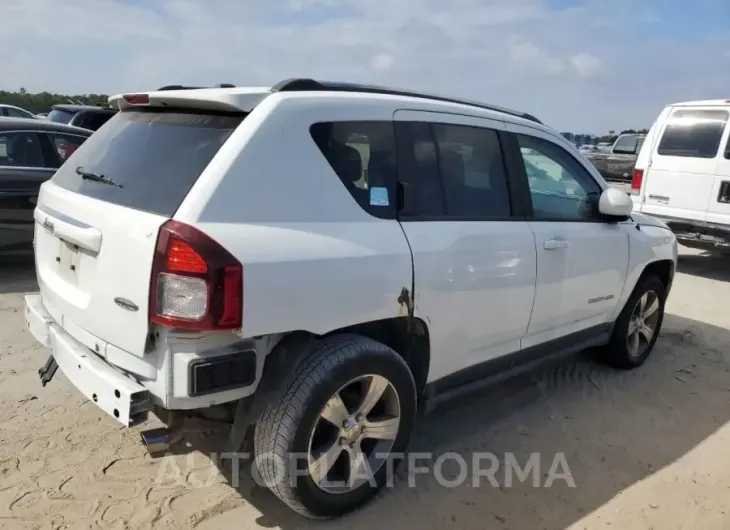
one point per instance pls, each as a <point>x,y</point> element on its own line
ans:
<point>90,175</point>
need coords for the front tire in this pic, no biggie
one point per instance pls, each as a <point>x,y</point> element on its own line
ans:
<point>637,327</point>
<point>328,445</point>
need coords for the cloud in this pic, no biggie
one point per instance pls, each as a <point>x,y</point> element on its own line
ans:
<point>590,66</point>
<point>587,65</point>
<point>536,59</point>
<point>382,62</point>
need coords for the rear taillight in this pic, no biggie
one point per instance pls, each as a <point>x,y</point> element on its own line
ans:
<point>196,283</point>
<point>137,99</point>
<point>636,178</point>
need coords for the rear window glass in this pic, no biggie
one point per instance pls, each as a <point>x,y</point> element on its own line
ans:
<point>151,158</point>
<point>92,120</point>
<point>60,116</point>
<point>693,133</point>
<point>628,144</point>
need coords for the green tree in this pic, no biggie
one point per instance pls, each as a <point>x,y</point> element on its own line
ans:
<point>42,101</point>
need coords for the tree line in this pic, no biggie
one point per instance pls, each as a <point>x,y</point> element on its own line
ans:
<point>42,101</point>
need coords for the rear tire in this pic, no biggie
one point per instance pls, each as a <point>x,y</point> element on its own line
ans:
<point>310,422</point>
<point>637,327</point>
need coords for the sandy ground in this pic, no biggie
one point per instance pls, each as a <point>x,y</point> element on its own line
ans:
<point>646,449</point>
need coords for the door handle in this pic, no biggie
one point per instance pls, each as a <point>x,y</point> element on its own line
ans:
<point>552,244</point>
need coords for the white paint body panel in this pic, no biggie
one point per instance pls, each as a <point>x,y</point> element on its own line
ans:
<point>475,285</point>
<point>590,264</point>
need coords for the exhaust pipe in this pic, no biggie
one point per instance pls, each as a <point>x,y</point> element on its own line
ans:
<point>158,441</point>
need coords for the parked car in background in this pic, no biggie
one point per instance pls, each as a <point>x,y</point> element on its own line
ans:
<point>682,173</point>
<point>603,146</point>
<point>30,152</point>
<point>178,257</point>
<point>587,148</point>
<point>11,111</point>
<point>618,162</point>
<point>86,116</point>
<point>41,115</point>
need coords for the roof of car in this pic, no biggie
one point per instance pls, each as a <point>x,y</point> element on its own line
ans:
<point>230,97</point>
<point>30,124</point>
<point>70,107</point>
<point>304,85</point>
<point>702,103</point>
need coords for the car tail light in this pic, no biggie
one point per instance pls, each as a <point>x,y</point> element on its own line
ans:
<point>636,179</point>
<point>66,150</point>
<point>196,284</point>
<point>137,99</point>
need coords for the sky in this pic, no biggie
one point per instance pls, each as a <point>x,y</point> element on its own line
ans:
<point>579,65</point>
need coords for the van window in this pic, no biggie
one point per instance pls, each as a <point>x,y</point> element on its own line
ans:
<point>152,157</point>
<point>693,133</point>
<point>362,154</point>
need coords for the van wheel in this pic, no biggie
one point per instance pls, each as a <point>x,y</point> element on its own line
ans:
<point>340,428</point>
<point>637,327</point>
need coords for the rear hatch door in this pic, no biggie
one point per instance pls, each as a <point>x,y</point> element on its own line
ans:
<point>98,218</point>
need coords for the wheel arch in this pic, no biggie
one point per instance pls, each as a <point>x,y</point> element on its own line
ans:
<point>663,269</point>
<point>408,336</point>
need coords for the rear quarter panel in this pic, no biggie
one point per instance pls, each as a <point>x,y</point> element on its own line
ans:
<point>312,258</point>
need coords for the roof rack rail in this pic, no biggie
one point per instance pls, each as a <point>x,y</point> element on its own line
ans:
<point>304,85</point>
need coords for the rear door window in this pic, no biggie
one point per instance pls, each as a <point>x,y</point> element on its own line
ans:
<point>17,113</point>
<point>452,172</point>
<point>152,158</point>
<point>693,133</point>
<point>21,149</point>
<point>64,145</point>
<point>472,171</point>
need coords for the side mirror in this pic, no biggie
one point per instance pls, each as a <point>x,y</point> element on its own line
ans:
<point>615,203</point>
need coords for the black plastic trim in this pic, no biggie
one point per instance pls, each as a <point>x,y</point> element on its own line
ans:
<point>489,372</point>
<point>246,357</point>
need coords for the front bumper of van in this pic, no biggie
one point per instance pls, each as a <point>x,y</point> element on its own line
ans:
<point>698,234</point>
<point>112,391</point>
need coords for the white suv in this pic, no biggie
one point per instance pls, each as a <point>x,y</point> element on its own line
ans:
<point>682,174</point>
<point>322,259</point>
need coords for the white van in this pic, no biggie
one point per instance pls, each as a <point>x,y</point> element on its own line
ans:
<point>682,174</point>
